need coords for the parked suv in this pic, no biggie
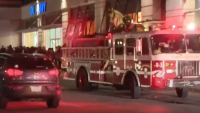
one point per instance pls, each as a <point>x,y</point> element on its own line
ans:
<point>28,77</point>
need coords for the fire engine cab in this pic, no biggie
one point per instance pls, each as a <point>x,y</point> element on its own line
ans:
<point>132,61</point>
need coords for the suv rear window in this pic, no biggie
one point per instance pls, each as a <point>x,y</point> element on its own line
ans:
<point>32,63</point>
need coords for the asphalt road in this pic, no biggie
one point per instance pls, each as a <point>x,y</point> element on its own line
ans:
<point>107,100</point>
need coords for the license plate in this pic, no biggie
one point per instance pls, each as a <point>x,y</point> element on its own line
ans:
<point>36,88</point>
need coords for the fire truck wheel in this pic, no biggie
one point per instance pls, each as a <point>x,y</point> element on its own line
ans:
<point>134,89</point>
<point>82,81</point>
<point>119,88</point>
<point>182,92</point>
<point>95,87</point>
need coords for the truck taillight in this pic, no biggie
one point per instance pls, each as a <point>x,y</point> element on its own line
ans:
<point>54,72</point>
<point>14,72</point>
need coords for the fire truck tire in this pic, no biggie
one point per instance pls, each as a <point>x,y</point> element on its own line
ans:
<point>95,87</point>
<point>119,88</point>
<point>134,89</point>
<point>82,81</point>
<point>53,103</point>
<point>182,92</point>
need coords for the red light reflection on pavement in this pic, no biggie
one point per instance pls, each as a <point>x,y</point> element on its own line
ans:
<point>126,106</point>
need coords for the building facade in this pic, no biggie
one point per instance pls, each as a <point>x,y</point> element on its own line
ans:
<point>41,24</point>
<point>45,22</point>
<point>9,22</point>
<point>175,10</point>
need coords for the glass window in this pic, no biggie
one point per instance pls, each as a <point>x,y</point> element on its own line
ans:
<point>53,34</point>
<point>145,46</point>
<point>130,44</point>
<point>48,45</point>
<point>54,38</point>
<point>167,43</point>
<point>58,32</point>
<point>119,48</point>
<point>30,39</point>
<point>89,28</point>
<point>53,44</point>
<point>58,42</point>
<point>193,43</point>
<point>31,63</point>
<point>48,33</point>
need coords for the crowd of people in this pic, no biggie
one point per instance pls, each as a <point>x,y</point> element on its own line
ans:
<point>55,56</point>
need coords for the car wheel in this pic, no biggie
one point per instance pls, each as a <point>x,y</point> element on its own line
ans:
<point>3,102</point>
<point>53,103</point>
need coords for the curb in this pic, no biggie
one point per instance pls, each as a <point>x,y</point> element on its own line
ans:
<point>63,86</point>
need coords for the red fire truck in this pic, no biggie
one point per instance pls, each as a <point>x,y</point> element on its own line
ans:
<point>132,61</point>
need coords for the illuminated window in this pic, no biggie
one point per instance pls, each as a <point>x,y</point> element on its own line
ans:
<point>89,29</point>
<point>30,39</point>
<point>81,14</point>
<point>136,18</point>
<point>53,38</point>
<point>139,18</point>
<point>119,48</point>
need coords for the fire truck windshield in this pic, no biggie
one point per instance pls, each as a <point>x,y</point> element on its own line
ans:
<point>193,43</point>
<point>167,43</point>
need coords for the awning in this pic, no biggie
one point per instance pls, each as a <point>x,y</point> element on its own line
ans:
<point>50,26</point>
<point>42,27</point>
<point>27,30</point>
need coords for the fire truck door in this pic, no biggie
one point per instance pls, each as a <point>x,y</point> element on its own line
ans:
<point>142,64</point>
<point>95,71</point>
<point>106,73</point>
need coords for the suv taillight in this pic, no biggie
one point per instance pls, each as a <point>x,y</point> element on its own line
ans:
<point>14,72</point>
<point>54,72</point>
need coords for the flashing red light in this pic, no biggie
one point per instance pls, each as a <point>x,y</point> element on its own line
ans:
<point>54,72</point>
<point>191,26</point>
<point>14,72</point>
<point>71,33</point>
<point>109,34</point>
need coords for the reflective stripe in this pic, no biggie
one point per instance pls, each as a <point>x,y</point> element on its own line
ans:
<point>98,72</point>
<point>66,78</point>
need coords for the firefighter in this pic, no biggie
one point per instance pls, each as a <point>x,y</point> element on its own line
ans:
<point>157,51</point>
